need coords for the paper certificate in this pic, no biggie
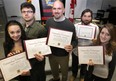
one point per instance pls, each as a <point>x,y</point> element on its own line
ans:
<point>59,38</point>
<point>37,46</point>
<point>91,53</point>
<point>85,32</point>
<point>14,66</point>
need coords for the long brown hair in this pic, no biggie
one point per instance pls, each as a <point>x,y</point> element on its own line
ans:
<point>111,46</point>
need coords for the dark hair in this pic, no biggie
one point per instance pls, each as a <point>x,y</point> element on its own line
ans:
<point>27,5</point>
<point>111,46</point>
<point>85,11</point>
<point>9,44</point>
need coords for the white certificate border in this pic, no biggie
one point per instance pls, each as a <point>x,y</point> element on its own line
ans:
<point>2,68</point>
<point>92,47</point>
<point>78,30</point>
<point>38,39</point>
<point>49,36</point>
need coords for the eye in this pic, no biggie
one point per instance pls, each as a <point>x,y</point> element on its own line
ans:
<point>107,34</point>
<point>11,32</point>
<point>102,32</point>
<point>18,31</point>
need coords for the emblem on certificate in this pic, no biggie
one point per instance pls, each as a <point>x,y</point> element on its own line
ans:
<point>91,53</point>
<point>35,46</point>
<point>59,38</point>
<point>13,66</point>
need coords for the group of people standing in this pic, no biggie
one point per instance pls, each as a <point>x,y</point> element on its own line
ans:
<point>16,33</point>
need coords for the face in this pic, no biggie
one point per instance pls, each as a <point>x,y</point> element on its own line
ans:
<point>104,36</point>
<point>14,32</point>
<point>27,14</point>
<point>86,18</point>
<point>57,10</point>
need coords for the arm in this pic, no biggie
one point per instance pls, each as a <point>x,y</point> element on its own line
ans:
<point>112,66</point>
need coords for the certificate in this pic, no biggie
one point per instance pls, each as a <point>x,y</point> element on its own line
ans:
<point>85,32</point>
<point>37,46</point>
<point>91,53</point>
<point>14,66</point>
<point>59,38</point>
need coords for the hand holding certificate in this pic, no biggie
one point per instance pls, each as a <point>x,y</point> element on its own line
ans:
<point>14,66</point>
<point>59,38</point>
<point>85,32</point>
<point>91,53</point>
<point>37,46</point>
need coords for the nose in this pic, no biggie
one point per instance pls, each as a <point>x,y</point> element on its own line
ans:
<point>103,35</point>
<point>15,34</point>
<point>56,10</point>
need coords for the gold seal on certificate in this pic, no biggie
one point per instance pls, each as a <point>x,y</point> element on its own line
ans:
<point>91,53</point>
<point>35,46</point>
<point>13,66</point>
<point>59,38</point>
<point>85,32</point>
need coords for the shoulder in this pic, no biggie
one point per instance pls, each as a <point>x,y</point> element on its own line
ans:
<point>68,22</point>
<point>50,19</point>
<point>77,24</point>
<point>37,25</point>
<point>94,25</point>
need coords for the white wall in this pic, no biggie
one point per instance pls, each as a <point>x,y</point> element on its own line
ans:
<point>81,5</point>
<point>106,4</point>
<point>37,6</point>
<point>94,5</point>
<point>12,7</point>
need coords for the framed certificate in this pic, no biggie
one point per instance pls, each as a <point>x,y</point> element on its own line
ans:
<point>37,46</point>
<point>85,32</point>
<point>59,38</point>
<point>91,53</point>
<point>13,66</point>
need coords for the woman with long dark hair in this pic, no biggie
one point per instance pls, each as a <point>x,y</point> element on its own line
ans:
<point>14,37</point>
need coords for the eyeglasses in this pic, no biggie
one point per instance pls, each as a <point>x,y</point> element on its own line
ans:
<point>27,11</point>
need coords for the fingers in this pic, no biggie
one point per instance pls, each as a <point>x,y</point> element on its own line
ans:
<point>39,57</point>
<point>90,62</point>
<point>25,73</point>
<point>68,48</point>
<point>13,53</point>
<point>10,54</point>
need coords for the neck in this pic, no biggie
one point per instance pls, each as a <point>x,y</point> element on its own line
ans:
<point>28,23</point>
<point>105,43</point>
<point>18,43</point>
<point>60,19</point>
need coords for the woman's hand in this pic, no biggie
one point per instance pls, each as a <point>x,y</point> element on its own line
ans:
<point>13,53</point>
<point>25,73</point>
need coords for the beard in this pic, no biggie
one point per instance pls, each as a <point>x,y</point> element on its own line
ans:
<point>86,22</point>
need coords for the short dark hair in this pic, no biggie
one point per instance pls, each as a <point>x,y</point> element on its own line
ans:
<point>27,5</point>
<point>87,10</point>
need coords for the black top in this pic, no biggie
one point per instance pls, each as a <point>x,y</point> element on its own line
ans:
<point>63,25</point>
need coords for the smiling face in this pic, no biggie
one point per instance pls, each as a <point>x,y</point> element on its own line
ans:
<point>104,36</point>
<point>86,18</point>
<point>58,9</point>
<point>14,32</point>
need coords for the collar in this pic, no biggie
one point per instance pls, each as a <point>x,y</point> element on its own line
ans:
<point>60,19</point>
